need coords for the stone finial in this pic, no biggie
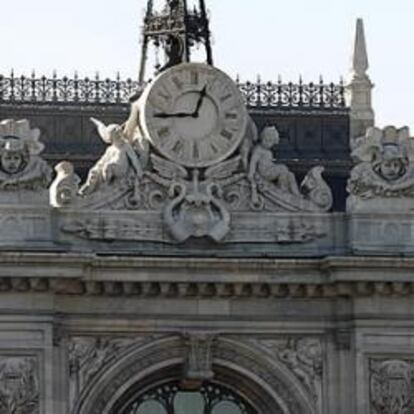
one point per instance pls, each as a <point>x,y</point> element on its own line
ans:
<point>359,88</point>
<point>360,63</point>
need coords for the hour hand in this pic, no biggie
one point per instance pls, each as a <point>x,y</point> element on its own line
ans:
<point>200,101</point>
<point>174,115</point>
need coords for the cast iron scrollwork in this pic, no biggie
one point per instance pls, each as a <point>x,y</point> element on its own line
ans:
<point>97,91</point>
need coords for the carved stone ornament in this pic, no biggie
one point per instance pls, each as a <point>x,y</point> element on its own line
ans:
<point>391,386</point>
<point>64,189</point>
<point>88,356</point>
<point>112,183</point>
<point>199,202</point>
<point>199,361</point>
<point>383,179</point>
<point>149,226</point>
<point>303,357</point>
<point>21,168</point>
<point>197,193</point>
<point>19,385</point>
<point>274,182</point>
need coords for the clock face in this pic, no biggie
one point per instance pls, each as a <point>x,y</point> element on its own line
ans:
<point>194,115</point>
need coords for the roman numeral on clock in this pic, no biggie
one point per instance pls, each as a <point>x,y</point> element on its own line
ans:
<point>164,132</point>
<point>194,78</point>
<point>178,147</point>
<point>226,134</point>
<point>164,93</point>
<point>214,148</point>
<point>231,115</point>
<point>177,82</point>
<point>226,97</point>
<point>196,151</point>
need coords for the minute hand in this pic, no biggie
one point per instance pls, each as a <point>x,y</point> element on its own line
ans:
<point>176,115</point>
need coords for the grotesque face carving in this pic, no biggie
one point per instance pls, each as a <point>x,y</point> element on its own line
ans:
<point>11,162</point>
<point>13,156</point>
<point>392,163</point>
<point>392,169</point>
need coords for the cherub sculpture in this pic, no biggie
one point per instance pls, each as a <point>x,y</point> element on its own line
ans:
<point>272,181</point>
<point>21,168</point>
<point>262,164</point>
<point>385,171</point>
<point>119,161</point>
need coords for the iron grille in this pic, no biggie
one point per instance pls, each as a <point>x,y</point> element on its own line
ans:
<point>163,399</point>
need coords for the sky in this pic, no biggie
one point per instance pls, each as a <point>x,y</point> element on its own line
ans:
<point>261,37</point>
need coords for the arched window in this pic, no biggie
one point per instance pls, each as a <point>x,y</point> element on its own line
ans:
<point>169,398</point>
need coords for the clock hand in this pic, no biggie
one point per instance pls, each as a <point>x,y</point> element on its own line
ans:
<point>185,114</point>
<point>200,101</point>
<point>176,115</point>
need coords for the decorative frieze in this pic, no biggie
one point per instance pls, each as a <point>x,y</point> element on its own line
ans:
<point>148,226</point>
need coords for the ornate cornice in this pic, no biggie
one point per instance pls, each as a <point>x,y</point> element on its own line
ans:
<point>89,274</point>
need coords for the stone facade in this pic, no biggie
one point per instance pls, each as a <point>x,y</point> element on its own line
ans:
<point>305,335</point>
<point>202,265</point>
<point>300,311</point>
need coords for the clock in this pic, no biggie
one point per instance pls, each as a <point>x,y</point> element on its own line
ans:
<point>193,114</point>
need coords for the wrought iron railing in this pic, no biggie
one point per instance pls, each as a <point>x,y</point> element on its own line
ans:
<point>294,95</point>
<point>54,90</point>
<point>96,91</point>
